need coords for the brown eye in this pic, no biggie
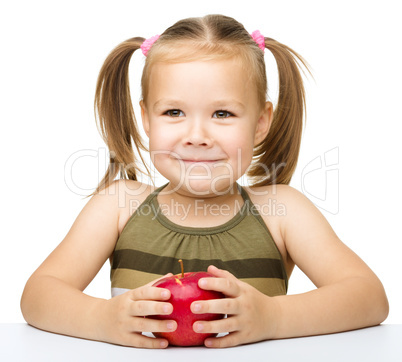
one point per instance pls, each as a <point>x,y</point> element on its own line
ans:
<point>175,113</point>
<point>222,114</point>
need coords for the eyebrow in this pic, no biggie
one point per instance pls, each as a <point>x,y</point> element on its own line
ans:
<point>217,104</point>
<point>167,103</point>
<point>226,102</point>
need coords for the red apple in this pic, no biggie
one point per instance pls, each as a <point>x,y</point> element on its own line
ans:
<point>185,290</point>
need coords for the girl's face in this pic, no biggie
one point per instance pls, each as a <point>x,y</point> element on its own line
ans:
<point>203,121</point>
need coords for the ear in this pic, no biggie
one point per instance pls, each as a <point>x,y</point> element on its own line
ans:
<point>144,117</point>
<point>263,123</point>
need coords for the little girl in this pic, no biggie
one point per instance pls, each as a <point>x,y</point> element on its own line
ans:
<point>204,108</point>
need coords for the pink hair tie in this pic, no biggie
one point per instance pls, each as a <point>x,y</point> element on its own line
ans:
<point>147,44</point>
<point>259,39</point>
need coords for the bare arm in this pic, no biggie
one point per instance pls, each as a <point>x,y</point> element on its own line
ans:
<point>53,297</point>
<point>348,294</point>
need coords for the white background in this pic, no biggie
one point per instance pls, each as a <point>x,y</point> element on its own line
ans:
<point>51,53</point>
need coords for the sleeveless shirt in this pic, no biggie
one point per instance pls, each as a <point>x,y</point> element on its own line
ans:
<point>150,246</point>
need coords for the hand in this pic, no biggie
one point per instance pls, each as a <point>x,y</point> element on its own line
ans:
<point>251,314</point>
<point>124,317</point>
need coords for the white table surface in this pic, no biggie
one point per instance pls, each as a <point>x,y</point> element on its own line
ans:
<point>21,342</point>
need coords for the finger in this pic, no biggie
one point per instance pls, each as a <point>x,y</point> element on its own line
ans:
<point>217,306</point>
<point>228,286</point>
<point>149,293</point>
<point>153,325</point>
<point>144,308</point>
<point>140,341</point>
<point>220,273</point>
<point>230,340</point>
<point>226,325</point>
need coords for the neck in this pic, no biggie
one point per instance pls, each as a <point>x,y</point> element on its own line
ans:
<point>189,195</point>
<point>185,208</point>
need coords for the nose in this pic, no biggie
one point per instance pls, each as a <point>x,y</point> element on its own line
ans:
<point>197,134</point>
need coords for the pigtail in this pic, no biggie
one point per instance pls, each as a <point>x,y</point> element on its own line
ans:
<point>276,156</point>
<point>115,114</point>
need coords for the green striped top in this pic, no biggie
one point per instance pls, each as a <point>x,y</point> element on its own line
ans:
<point>150,246</point>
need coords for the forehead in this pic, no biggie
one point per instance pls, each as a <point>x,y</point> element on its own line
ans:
<point>201,81</point>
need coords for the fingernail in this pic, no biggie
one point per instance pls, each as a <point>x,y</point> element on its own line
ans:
<point>208,343</point>
<point>197,307</point>
<point>165,294</point>
<point>166,308</point>
<point>202,283</point>
<point>163,344</point>
<point>170,325</point>
<point>199,327</point>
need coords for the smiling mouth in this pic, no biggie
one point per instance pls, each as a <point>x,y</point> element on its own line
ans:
<point>196,160</point>
<point>193,161</point>
<point>200,161</point>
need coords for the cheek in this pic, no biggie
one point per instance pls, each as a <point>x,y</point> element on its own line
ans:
<point>159,139</point>
<point>242,139</point>
<point>158,148</point>
<point>241,149</point>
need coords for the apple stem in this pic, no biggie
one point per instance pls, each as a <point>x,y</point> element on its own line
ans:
<point>182,268</point>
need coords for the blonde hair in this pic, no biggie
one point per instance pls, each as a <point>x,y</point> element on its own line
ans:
<point>212,37</point>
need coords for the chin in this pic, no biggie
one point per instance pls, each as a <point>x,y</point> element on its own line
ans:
<point>200,188</point>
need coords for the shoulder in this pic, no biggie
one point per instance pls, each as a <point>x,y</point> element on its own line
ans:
<point>287,206</point>
<point>128,195</point>
<point>120,192</point>
<point>120,200</point>
<point>277,200</point>
<point>300,213</point>
<point>299,221</point>
<point>123,190</point>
